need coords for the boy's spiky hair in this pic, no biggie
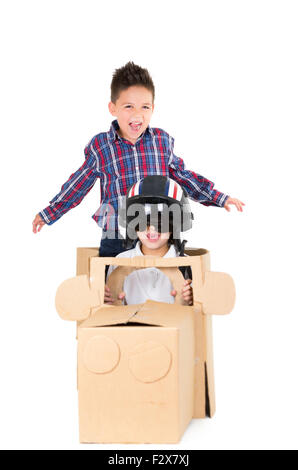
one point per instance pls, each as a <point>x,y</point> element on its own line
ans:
<point>130,75</point>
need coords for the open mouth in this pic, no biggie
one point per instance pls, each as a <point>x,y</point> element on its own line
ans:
<point>135,126</point>
<point>153,237</point>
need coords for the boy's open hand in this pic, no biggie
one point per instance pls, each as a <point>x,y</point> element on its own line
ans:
<point>37,223</point>
<point>108,299</point>
<point>235,202</point>
<point>186,293</point>
<point>121,296</point>
<point>108,296</point>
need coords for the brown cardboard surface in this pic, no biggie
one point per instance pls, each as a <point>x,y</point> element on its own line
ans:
<point>83,259</point>
<point>74,298</point>
<point>143,392</point>
<point>109,315</point>
<point>162,314</point>
<point>143,370</point>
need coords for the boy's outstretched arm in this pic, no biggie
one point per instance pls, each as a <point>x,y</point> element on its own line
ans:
<point>71,194</point>
<point>199,189</point>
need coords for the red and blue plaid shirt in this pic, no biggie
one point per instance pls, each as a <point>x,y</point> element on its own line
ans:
<point>119,163</point>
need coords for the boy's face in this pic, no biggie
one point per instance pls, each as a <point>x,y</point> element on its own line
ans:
<point>133,110</point>
<point>152,239</point>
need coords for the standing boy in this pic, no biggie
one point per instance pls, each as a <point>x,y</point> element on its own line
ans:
<point>129,151</point>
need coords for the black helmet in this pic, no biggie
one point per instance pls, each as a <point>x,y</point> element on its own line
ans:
<point>156,200</point>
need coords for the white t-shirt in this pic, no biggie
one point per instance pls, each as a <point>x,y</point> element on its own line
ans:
<point>148,283</point>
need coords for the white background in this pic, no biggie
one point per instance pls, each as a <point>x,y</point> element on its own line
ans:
<point>226,88</point>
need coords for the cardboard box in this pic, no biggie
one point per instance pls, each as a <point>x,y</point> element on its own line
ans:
<point>144,371</point>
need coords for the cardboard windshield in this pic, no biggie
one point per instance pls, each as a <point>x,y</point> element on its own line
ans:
<point>77,298</point>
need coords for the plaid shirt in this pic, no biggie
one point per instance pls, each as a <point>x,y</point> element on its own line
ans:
<point>119,163</point>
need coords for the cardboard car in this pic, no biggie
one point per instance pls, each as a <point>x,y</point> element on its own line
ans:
<point>144,371</point>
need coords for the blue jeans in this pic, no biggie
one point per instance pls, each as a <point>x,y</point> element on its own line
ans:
<point>111,247</point>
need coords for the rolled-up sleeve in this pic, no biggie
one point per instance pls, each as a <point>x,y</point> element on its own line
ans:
<point>73,190</point>
<point>198,188</point>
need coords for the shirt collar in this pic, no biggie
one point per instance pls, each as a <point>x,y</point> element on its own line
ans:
<point>171,253</point>
<point>113,135</point>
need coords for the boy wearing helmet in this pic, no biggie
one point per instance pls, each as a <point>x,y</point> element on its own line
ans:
<point>156,211</point>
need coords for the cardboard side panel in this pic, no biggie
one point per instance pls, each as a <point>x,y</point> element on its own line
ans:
<point>97,276</point>
<point>83,259</point>
<point>186,350</point>
<point>134,398</point>
<point>203,351</point>
<point>208,347</point>
<point>199,385</point>
<point>83,265</point>
<point>209,365</point>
